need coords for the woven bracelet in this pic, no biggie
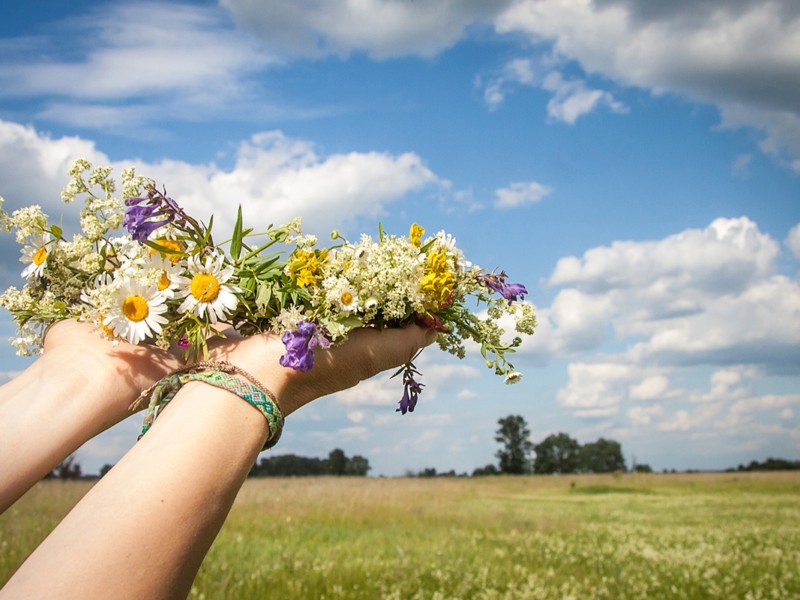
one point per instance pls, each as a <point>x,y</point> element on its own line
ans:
<point>220,374</point>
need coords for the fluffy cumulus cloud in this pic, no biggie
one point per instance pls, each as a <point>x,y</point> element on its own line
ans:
<point>741,56</point>
<point>683,334</point>
<point>382,28</point>
<point>287,176</point>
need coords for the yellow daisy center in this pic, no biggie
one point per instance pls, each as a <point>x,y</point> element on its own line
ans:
<point>135,308</point>
<point>205,287</point>
<point>347,298</point>
<point>39,256</point>
<point>164,282</point>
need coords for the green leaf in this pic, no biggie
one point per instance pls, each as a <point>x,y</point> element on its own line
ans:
<point>236,240</point>
<point>264,295</point>
<point>56,231</point>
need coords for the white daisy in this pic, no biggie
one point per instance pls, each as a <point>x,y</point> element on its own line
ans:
<point>35,255</point>
<point>348,300</point>
<point>136,311</point>
<point>168,272</point>
<point>513,377</point>
<point>206,291</point>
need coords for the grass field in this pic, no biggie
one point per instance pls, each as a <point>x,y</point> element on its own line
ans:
<point>726,535</point>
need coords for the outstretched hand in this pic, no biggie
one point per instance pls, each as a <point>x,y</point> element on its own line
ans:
<point>366,353</point>
<point>120,369</point>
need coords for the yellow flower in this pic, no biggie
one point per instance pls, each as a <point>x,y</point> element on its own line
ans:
<point>174,245</point>
<point>439,281</point>
<point>306,266</point>
<point>415,233</point>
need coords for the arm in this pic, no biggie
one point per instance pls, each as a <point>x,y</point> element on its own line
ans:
<point>79,387</point>
<point>144,529</point>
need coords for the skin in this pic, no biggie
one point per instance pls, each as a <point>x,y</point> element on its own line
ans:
<point>143,530</point>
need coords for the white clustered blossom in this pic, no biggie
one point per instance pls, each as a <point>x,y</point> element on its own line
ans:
<point>390,278</point>
<point>28,221</point>
<point>288,319</point>
<point>132,184</point>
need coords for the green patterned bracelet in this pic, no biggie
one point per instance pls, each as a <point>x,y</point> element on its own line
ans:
<point>220,374</point>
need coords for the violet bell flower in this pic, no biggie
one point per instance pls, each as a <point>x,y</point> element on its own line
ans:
<point>509,291</point>
<point>300,346</point>
<point>411,389</point>
<point>138,218</point>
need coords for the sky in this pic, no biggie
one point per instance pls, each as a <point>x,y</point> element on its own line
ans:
<point>635,165</point>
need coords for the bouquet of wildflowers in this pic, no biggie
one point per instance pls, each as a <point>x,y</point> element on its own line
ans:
<point>144,271</point>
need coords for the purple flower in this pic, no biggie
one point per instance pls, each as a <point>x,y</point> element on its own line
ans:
<point>300,346</point>
<point>138,219</point>
<point>411,389</point>
<point>509,291</point>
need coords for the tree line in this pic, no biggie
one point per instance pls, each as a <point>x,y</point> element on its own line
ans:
<point>292,465</point>
<point>556,454</point>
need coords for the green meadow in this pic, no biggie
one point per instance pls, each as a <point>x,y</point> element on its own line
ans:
<point>722,535</point>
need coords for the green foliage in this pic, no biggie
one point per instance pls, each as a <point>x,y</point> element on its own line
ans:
<point>514,437</point>
<point>292,465</point>
<point>772,464</point>
<point>69,468</point>
<point>557,453</point>
<point>602,456</point>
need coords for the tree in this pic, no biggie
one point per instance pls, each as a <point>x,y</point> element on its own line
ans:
<point>337,462</point>
<point>489,469</point>
<point>357,466</point>
<point>602,456</point>
<point>514,436</point>
<point>557,453</point>
<point>69,468</point>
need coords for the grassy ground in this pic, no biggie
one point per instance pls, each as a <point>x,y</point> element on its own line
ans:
<point>730,535</point>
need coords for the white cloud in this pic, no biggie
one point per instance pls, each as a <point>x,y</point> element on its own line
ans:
<point>33,165</point>
<point>741,166</point>
<point>595,385</point>
<point>724,257</point>
<point>643,416</point>
<point>573,99</point>
<point>381,28</point>
<point>677,334</point>
<point>740,56</point>
<point>793,241</point>
<point>650,388</point>
<point>520,193</point>
<point>166,60</point>
<point>274,178</point>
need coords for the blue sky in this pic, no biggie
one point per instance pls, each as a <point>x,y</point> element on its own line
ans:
<point>637,166</point>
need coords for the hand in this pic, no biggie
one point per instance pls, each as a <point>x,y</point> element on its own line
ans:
<point>366,353</point>
<point>121,370</point>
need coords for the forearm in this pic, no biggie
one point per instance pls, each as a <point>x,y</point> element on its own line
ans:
<point>146,526</point>
<point>47,413</point>
<point>66,397</point>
